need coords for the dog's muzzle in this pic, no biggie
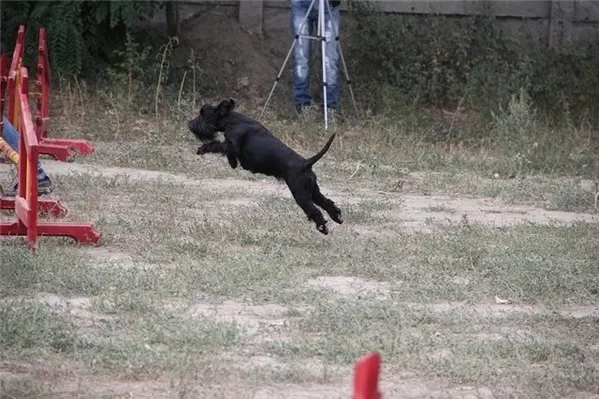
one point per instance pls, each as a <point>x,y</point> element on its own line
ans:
<point>202,130</point>
<point>192,125</point>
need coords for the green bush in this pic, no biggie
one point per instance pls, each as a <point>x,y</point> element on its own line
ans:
<point>441,61</point>
<point>82,35</point>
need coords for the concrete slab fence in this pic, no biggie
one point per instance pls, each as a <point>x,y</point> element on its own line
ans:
<point>555,23</point>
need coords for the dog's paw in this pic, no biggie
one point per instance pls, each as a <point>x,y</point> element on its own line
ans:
<point>337,218</point>
<point>335,214</point>
<point>323,229</point>
<point>201,151</point>
<point>232,161</point>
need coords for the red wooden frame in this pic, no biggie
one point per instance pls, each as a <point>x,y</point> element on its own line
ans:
<point>17,56</point>
<point>3,84</point>
<point>47,207</point>
<point>26,200</point>
<point>60,149</point>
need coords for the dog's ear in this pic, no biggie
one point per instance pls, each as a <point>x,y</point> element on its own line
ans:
<point>203,109</point>
<point>225,107</point>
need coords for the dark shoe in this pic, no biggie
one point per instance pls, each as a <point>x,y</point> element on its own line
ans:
<point>44,186</point>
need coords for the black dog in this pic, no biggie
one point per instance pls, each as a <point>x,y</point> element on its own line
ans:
<point>259,151</point>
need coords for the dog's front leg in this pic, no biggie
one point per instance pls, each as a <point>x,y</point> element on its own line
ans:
<point>214,147</point>
<point>232,153</point>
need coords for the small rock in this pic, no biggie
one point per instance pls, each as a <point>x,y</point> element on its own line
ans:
<point>501,301</point>
<point>243,82</point>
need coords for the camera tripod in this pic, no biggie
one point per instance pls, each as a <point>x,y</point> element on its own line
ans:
<point>320,36</point>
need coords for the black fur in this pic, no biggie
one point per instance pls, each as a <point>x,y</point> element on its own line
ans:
<point>249,144</point>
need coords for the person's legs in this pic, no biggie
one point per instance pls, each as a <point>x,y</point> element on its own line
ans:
<point>11,136</point>
<point>332,23</point>
<point>301,53</point>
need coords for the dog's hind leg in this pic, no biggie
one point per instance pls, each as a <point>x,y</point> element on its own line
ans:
<point>304,200</point>
<point>326,204</point>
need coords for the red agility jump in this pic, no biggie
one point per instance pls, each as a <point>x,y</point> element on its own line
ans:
<point>59,149</point>
<point>26,203</point>
<point>51,207</point>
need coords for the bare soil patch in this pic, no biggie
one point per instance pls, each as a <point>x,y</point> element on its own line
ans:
<point>351,286</point>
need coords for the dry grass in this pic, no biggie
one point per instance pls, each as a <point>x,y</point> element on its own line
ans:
<point>211,283</point>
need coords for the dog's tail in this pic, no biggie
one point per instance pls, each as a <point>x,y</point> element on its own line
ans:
<point>311,161</point>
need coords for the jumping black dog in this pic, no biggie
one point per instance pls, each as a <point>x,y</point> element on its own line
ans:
<point>257,150</point>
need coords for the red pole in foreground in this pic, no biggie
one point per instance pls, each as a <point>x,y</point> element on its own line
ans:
<point>366,377</point>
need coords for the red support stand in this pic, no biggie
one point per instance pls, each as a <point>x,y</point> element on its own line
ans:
<point>17,56</point>
<point>82,233</point>
<point>56,151</point>
<point>26,203</point>
<point>366,377</point>
<point>45,207</point>
<point>3,83</point>
<point>59,149</point>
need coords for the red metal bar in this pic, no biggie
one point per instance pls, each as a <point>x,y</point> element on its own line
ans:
<point>26,123</point>
<point>59,149</point>
<point>47,77</point>
<point>16,58</point>
<point>42,112</point>
<point>27,134</point>
<point>83,147</point>
<point>3,83</point>
<point>24,154</point>
<point>44,69</point>
<point>366,377</point>
<point>22,211</point>
<point>58,152</point>
<point>26,199</point>
<point>44,207</point>
<point>82,233</point>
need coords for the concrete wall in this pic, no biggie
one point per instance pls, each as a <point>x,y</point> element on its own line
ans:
<point>555,23</point>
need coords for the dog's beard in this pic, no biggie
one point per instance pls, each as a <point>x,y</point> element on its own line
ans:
<point>203,130</point>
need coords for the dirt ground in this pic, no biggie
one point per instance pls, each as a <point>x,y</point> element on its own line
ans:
<point>210,282</point>
<point>405,213</point>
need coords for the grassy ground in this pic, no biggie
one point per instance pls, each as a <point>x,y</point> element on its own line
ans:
<point>472,269</point>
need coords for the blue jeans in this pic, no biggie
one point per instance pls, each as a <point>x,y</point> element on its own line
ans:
<point>11,136</point>
<point>301,52</point>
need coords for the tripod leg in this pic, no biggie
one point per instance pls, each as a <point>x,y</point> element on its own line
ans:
<point>278,77</point>
<point>295,40</point>
<point>321,35</point>
<point>332,58</point>
<point>347,79</point>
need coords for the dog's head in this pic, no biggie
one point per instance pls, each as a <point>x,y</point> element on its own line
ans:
<point>209,121</point>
